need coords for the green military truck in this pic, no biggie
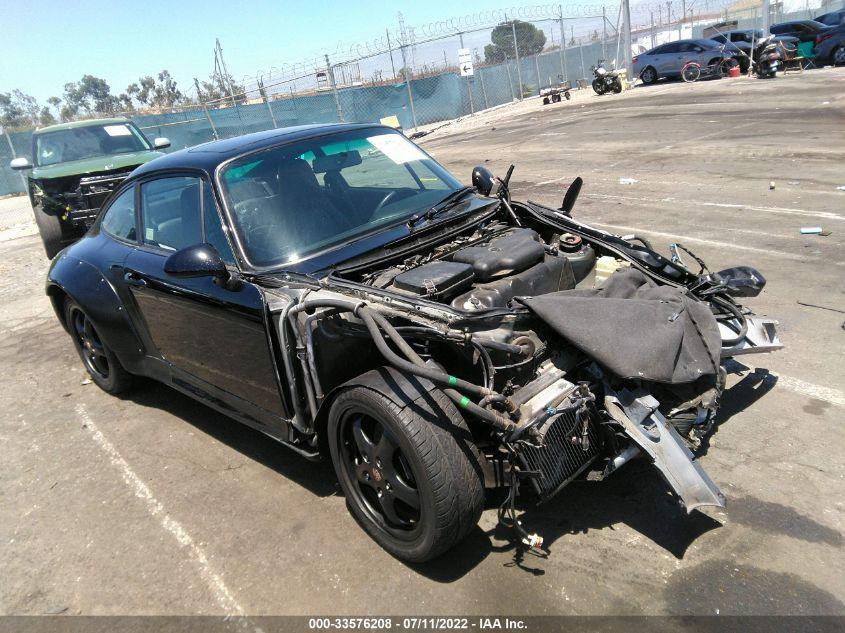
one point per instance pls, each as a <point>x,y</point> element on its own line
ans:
<point>75,167</point>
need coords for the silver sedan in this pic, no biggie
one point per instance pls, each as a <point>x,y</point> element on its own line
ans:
<point>666,60</point>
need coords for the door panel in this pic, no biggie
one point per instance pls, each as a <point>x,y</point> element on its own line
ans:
<point>211,333</point>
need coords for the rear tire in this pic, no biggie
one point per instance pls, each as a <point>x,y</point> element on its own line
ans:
<point>649,75</point>
<point>99,361</point>
<point>407,465</point>
<point>598,86</point>
<point>838,56</point>
<point>50,229</point>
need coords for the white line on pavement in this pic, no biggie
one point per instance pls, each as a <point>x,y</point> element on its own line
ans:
<point>697,240</point>
<point>819,392</point>
<point>825,215</point>
<point>833,396</point>
<point>224,597</point>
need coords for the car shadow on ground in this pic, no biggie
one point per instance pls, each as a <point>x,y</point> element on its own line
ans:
<point>753,385</point>
<point>316,477</point>
<point>637,496</point>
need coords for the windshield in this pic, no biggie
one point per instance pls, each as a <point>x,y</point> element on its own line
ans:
<point>79,143</point>
<point>292,201</point>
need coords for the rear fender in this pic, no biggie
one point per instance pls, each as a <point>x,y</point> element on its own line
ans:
<point>636,412</point>
<point>83,283</point>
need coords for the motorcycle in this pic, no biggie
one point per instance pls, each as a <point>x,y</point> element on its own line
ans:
<point>767,58</point>
<point>606,80</point>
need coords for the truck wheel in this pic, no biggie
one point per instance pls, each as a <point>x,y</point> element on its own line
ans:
<point>50,228</point>
<point>407,466</point>
<point>100,362</point>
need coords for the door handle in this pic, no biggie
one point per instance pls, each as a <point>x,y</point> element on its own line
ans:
<point>134,280</point>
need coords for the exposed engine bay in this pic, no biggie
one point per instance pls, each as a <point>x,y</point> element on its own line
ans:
<point>569,350</point>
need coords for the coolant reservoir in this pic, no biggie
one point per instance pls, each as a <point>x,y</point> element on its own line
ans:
<point>606,266</point>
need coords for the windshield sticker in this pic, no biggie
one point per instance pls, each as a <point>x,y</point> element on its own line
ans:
<point>117,130</point>
<point>397,148</point>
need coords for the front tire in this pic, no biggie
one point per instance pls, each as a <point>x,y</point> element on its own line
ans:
<point>648,76</point>
<point>99,361</point>
<point>598,86</point>
<point>50,229</point>
<point>407,465</point>
<point>838,56</point>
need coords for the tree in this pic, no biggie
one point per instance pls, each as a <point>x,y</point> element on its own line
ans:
<point>19,110</point>
<point>45,117</point>
<point>12,114</point>
<point>90,94</point>
<point>529,39</point>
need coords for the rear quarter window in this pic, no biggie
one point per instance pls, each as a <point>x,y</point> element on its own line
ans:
<point>119,219</point>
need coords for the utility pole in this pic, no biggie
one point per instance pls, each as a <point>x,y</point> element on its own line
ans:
<point>204,109</point>
<point>683,18</point>
<point>626,34</point>
<point>766,17</point>
<point>219,50</point>
<point>516,56</point>
<point>603,34</point>
<point>652,30</point>
<point>562,49</point>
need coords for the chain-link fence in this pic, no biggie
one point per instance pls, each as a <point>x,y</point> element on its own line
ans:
<point>415,76</point>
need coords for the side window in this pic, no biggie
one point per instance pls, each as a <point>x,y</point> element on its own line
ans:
<point>119,218</point>
<point>778,30</point>
<point>170,209</point>
<point>671,48</point>
<point>212,228</point>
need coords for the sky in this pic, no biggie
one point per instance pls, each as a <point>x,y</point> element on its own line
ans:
<point>51,42</point>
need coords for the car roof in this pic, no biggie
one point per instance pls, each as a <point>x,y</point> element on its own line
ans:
<point>76,124</point>
<point>208,156</point>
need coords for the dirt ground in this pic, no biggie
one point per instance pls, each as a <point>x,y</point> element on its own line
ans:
<point>153,504</point>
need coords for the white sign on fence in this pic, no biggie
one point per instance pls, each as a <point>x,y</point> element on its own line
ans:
<point>465,62</point>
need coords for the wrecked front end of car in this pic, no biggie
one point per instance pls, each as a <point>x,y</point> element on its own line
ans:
<point>567,349</point>
<point>75,199</point>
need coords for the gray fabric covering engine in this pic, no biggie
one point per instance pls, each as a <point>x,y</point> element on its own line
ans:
<point>635,328</point>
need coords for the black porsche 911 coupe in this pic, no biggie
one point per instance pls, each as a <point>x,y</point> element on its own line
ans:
<point>337,289</point>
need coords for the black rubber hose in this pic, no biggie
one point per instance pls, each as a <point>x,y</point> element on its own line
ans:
<point>418,367</point>
<point>734,309</point>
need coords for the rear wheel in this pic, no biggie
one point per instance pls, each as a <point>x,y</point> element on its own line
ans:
<point>617,86</point>
<point>406,469</point>
<point>100,362</point>
<point>838,56</point>
<point>649,75</point>
<point>50,229</point>
<point>598,86</point>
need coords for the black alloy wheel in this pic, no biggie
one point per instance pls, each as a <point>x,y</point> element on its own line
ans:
<point>407,464</point>
<point>93,352</point>
<point>100,362</point>
<point>385,483</point>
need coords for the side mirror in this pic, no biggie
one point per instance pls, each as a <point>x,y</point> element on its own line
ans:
<point>161,143</point>
<point>483,180</point>
<point>199,260</point>
<point>20,163</point>
<point>571,196</point>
